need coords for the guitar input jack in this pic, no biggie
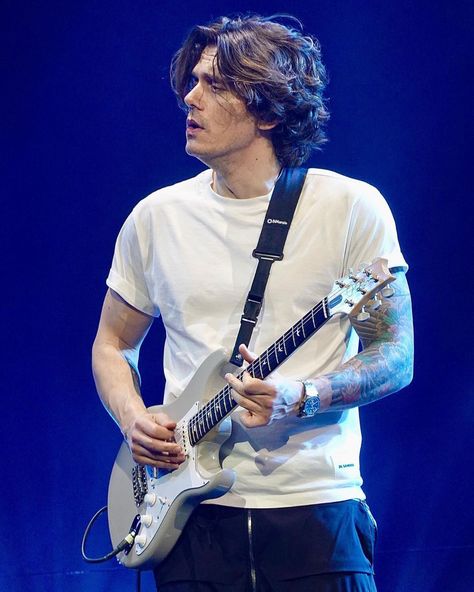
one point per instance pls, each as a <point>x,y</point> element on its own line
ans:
<point>124,545</point>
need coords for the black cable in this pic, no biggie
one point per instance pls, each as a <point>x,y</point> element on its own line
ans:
<point>124,545</point>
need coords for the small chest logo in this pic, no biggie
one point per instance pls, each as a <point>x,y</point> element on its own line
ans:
<point>276,221</point>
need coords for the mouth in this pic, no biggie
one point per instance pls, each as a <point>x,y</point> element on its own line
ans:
<point>192,125</point>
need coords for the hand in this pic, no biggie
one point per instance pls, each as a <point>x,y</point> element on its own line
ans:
<point>150,438</point>
<point>264,400</point>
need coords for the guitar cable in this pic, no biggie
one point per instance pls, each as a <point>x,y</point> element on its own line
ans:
<point>124,545</point>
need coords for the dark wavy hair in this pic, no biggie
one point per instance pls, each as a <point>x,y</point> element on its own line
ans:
<point>274,68</point>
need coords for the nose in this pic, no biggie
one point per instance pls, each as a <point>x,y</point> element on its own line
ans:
<point>194,96</point>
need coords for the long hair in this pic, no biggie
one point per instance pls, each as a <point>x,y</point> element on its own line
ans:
<point>275,69</point>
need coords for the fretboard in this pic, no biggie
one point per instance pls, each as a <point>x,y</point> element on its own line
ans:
<point>222,403</point>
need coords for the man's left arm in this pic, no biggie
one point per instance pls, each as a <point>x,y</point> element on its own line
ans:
<point>384,366</point>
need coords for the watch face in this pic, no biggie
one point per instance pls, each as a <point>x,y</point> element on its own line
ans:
<point>311,406</point>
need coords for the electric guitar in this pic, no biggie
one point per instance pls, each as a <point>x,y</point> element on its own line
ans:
<point>159,502</point>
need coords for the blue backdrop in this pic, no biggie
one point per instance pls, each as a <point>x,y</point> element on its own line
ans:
<point>91,127</point>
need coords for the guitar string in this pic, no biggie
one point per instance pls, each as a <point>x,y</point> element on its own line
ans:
<point>224,394</point>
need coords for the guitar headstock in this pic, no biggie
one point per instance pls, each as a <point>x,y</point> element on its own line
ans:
<point>351,293</point>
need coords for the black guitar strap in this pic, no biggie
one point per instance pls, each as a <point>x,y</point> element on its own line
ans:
<point>270,246</point>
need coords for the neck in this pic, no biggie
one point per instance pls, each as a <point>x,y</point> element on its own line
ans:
<point>240,180</point>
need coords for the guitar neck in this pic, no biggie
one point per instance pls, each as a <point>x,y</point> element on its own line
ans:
<point>222,403</point>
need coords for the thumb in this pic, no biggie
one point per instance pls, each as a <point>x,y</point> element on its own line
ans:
<point>247,355</point>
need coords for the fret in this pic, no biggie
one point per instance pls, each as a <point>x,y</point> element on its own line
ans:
<point>269,366</point>
<point>278,349</point>
<point>210,407</point>
<point>199,429</point>
<point>254,366</point>
<point>270,363</point>
<point>225,404</point>
<point>232,403</point>
<point>263,362</point>
<point>216,414</point>
<point>196,428</point>
<point>259,360</point>
<point>200,419</point>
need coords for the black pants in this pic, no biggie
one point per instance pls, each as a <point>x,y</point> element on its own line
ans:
<point>337,582</point>
<point>319,548</point>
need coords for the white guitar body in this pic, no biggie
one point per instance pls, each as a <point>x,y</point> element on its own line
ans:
<point>171,496</point>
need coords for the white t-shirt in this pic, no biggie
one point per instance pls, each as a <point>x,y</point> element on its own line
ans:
<point>185,253</point>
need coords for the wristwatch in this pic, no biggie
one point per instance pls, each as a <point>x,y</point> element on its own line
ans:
<point>310,402</point>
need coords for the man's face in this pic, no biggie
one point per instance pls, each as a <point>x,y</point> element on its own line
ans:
<point>219,129</point>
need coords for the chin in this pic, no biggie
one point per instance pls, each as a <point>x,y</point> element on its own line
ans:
<point>200,155</point>
<point>190,149</point>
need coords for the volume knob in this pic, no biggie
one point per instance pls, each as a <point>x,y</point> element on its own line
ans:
<point>150,499</point>
<point>140,540</point>
<point>146,519</point>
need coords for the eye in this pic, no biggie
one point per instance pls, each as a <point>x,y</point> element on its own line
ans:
<point>215,87</point>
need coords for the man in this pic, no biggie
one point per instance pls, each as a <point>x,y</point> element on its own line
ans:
<point>295,518</point>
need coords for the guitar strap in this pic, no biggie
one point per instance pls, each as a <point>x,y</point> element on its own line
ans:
<point>269,249</point>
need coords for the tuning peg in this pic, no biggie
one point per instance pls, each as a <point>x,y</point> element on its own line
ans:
<point>351,275</point>
<point>363,315</point>
<point>388,291</point>
<point>375,303</point>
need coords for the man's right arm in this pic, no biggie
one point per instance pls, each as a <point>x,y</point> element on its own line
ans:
<point>122,329</point>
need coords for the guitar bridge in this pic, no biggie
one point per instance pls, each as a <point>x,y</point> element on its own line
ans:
<point>139,484</point>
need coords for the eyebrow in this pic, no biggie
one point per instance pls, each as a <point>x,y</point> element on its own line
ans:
<point>209,78</point>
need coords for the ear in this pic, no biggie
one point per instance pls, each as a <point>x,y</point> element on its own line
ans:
<point>265,126</point>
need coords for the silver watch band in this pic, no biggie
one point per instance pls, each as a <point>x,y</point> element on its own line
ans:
<point>310,402</point>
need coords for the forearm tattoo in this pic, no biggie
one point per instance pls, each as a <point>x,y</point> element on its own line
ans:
<point>386,363</point>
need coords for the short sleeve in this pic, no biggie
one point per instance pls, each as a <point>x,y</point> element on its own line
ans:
<point>127,274</point>
<point>372,232</point>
